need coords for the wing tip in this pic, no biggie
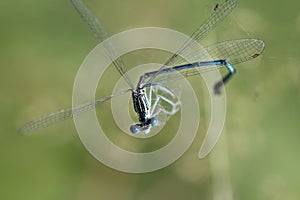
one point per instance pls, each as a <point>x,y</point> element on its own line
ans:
<point>260,47</point>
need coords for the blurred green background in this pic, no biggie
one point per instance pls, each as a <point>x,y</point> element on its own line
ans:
<point>257,157</point>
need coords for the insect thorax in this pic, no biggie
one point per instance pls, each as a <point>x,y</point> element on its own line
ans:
<point>141,104</point>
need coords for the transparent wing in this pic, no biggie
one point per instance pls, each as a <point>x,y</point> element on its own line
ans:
<point>234,51</point>
<point>56,117</point>
<point>215,18</point>
<point>101,34</point>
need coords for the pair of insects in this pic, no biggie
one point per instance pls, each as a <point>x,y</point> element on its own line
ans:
<point>224,54</point>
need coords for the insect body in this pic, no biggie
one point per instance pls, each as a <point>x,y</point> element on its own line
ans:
<point>142,107</point>
<point>150,92</point>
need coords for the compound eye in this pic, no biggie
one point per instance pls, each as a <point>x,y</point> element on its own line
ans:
<point>134,129</point>
<point>154,121</point>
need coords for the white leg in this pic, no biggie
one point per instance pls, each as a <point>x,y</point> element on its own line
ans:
<point>173,103</point>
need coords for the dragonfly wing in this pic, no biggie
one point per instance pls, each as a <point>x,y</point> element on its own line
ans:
<point>215,18</point>
<point>56,117</point>
<point>236,51</point>
<point>101,34</point>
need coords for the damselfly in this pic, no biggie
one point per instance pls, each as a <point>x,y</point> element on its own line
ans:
<point>224,54</point>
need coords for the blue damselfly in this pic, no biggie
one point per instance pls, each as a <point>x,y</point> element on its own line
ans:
<point>224,54</point>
